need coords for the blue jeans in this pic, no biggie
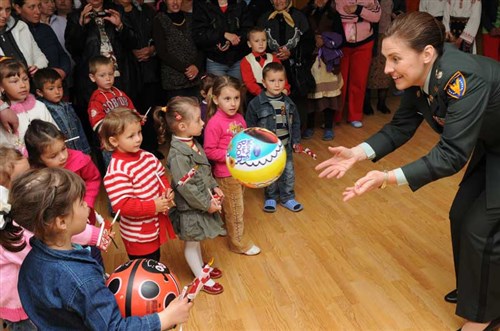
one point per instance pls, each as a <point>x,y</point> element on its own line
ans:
<point>283,188</point>
<point>220,69</point>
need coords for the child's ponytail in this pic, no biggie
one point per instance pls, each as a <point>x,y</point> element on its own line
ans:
<point>160,124</point>
<point>11,235</point>
<point>169,117</point>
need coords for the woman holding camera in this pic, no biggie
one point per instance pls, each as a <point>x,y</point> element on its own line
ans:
<point>98,28</point>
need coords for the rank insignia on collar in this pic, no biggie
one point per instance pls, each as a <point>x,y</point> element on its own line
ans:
<point>439,74</point>
<point>456,86</point>
<point>418,93</point>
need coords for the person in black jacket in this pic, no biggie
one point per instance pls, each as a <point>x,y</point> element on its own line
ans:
<point>149,93</point>
<point>219,29</point>
<point>291,39</point>
<point>97,28</point>
<point>181,62</point>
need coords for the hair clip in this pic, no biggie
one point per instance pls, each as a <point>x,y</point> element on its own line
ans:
<point>178,116</point>
<point>203,77</point>
<point>5,58</point>
<point>164,109</point>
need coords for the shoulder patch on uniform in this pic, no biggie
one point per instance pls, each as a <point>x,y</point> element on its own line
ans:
<point>456,86</point>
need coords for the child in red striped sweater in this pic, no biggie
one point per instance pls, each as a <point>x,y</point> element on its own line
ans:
<point>136,185</point>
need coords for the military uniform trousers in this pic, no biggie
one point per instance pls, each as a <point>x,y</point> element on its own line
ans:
<point>475,232</point>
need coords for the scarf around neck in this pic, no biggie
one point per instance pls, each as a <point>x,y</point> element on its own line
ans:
<point>286,15</point>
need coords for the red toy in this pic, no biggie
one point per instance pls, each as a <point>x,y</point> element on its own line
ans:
<point>143,287</point>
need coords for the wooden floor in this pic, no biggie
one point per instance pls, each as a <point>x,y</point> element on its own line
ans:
<point>379,262</point>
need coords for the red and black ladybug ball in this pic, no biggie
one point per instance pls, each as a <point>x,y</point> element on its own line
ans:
<point>143,287</point>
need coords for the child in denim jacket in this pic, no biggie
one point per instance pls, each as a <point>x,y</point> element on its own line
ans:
<point>49,89</point>
<point>59,276</point>
<point>275,111</point>
<point>14,243</point>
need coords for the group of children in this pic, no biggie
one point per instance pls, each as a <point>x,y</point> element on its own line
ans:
<point>50,204</point>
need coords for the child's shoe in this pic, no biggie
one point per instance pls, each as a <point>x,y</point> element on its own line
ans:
<point>308,134</point>
<point>214,289</point>
<point>328,135</point>
<point>215,273</point>
<point>270,206</point>
<point>254,250</point>
<point>293,205</point>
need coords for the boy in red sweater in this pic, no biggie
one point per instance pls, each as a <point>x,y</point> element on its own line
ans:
<point>251,65</point>
<point>106,97</point>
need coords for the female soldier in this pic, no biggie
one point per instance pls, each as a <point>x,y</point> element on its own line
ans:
<point>458,94</point>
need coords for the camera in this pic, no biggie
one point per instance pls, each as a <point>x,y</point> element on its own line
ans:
<point>95,14</point>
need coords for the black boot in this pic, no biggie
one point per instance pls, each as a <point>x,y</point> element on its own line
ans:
<point>367,105</point>
<point>382,97</point>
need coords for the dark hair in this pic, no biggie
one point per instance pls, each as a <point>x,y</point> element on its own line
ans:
<point>177,109</point>
<point>40,195</point>
<point>418,29</point>
<point>207,82</point>
<point>38,137</point>
<point>219,83</point>
<point>114,124</point>
<point>45,75</point>
<point>10,67</point>
<point>273,66</point>
<point>11,237</point>
<point>255,29</point>
<point>98,60</point>
<point>20,3</point>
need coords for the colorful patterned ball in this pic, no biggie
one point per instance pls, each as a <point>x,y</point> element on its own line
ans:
<point>256,157</point>
<point>143,287</point>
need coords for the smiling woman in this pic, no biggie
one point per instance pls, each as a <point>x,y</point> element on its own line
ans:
<point>458,94</point>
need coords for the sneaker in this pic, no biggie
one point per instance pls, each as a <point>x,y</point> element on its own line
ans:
<point>357,124</point>
<point>254,250</point>
<point>328,135</point>
<point>308,134</point>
